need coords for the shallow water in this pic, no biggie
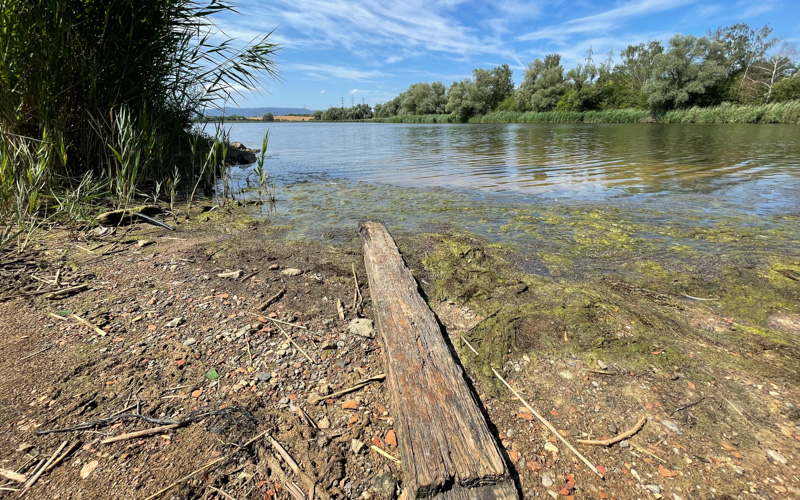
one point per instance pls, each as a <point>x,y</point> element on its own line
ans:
<point>481,177</point>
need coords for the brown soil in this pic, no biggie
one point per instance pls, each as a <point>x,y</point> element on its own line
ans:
<point>717,433</point>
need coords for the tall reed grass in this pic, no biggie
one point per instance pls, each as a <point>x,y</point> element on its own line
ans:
<point>108,89</point>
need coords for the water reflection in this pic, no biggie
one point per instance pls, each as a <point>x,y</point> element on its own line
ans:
<point>745,164</point>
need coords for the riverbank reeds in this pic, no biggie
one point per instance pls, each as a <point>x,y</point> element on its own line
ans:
<point>103,93</point>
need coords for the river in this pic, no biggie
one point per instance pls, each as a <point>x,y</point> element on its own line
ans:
<point>479,176</point>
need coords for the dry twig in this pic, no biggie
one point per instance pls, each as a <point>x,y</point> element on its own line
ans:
<point>362,383</point>
<point>617,439</point>
<point>94,327</point>
<point>137,434</point>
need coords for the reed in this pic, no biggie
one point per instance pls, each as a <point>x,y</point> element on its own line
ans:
<point>109,89</point>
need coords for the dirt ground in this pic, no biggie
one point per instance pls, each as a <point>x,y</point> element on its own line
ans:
<point>220,332</point>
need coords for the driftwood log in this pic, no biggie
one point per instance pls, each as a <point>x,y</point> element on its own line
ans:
<point>447,449</point>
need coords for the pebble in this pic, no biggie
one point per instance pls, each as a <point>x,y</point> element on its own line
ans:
<point>566,374</point>
<point>263,376</point>
<point>190,341</point>
<point>653,488</point>
<point>669,424</point>
<point>384,486</point>
<point>777,457</point>
<point>362,327</point>
<point>550,447</point>
<point>356,446</point>
<point>144,243</point>
<point>174,323</point>
<point>624,444</point>
<point>273,267</point>
<point>324,423</point>
<point>291,272</point>
<point>547,480</point>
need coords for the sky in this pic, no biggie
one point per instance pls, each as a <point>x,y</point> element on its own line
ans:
<point>341,50</point>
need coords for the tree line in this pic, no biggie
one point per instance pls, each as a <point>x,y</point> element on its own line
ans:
<point>735,64</point>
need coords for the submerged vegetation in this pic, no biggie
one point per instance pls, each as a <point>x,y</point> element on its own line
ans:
<point>96,99</point>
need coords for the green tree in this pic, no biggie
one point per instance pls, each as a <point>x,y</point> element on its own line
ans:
<point>543,85</point>
<point>686,74</point>
<point>268,117</point>
<point>767,72</point>
<point>481,94</point>
<point>317,115</point>
<point>634,71</point>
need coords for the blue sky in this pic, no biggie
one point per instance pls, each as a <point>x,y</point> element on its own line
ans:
<point>371,51</point>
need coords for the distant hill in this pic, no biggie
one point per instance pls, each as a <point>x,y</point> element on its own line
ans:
<point>259,111</point>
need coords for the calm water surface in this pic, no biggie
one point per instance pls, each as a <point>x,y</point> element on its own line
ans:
<point>412,175</point>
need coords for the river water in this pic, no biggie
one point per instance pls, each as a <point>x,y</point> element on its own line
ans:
<point>480,177</point>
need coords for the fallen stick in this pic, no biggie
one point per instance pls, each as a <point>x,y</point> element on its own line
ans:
<point>64,455</point>
<point>206,467</point>
<point>94,327</point>
<point>272,300</point>
<point>286,323</point>
<point>687,405</point>
<point>648,452</point>
<point>13,476</point>
<point>293,342</point>
<point>38,473</point>
<point>360,384</point>
<point>35,353</point>
<point>340,309</point>
<point>549,426</point>
<point>357,298</point>
<point>625,435</point>
<point>285,455</point>
<point>381,452</point>
<point>66,291</point>
<point>137,434</point>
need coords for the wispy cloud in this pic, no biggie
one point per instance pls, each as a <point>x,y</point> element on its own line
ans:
<point>322,91</point>
<point>604,21</point>
<point>339,72</point>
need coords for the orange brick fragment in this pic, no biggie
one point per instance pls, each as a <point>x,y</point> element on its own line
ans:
<point>391,438</point>
<point>351,404</point>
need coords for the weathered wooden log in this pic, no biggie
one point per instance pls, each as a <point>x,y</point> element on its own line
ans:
<point>447,449</point>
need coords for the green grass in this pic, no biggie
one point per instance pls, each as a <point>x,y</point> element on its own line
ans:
<point>102,94</point>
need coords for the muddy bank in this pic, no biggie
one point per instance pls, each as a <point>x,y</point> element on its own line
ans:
<point>601,324</point>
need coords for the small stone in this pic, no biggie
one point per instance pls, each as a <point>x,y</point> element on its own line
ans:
<point>653,488</point>
<point>739,470</point>
<point>144,243</point>
<point>273,267</point>
<point>190,341</point>
<point>550,447</point>
<point>89,468</point>
<point>391,438</point>
<point>263,376</point>
<point>624,444</point>
<point>324,423</point>
<point>566,374</point>
<point>602,364</point>
<point>669,424</point>
<point>384,486</point>
<point>362,327</point>
<point>356,446</point>
<point>291,272</point>
<point>174,323</point>
<point>231,274</point>
<point>547,480</point>
<point>777,457</point>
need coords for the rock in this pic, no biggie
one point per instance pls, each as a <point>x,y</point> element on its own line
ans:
<point>776,457</point>
<point>547,480</point>
<point>624,444</point>
<point>356,446</point>
<point>362,327</point>
<point>653,488</point>
<point>174,323</point>
<point>89,468</point>
<point>263,376</point>
<point>273,267</point>
<point>239,154</point>
<point>190,341</point>
<point>384,486</point>
<point>231,274</point>
<point>144,243</point>
<point>550,447</point>
<point>669,424</point>
<point>602,364</point>
<point>324,423</point>
<point>566,374</point>
<point>292,272</point>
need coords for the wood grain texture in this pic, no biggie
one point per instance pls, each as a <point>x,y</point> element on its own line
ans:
<point>447,449</point>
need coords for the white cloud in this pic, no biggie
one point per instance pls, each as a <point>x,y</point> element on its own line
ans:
<point>328,71</point>
<point>322,91</point>
<point>604,21</point>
